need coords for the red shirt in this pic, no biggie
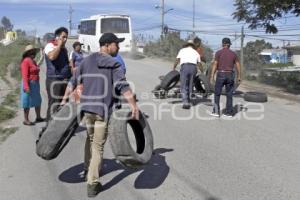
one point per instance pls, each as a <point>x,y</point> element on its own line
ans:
<point>226,59</point>
<point>30,72</point>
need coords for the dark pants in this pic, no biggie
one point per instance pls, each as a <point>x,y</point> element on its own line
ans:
<point>55,91</point>
<point>227,79</point>
<point>187,75</point>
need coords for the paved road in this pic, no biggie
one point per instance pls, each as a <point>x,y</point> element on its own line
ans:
<point>253,156</point>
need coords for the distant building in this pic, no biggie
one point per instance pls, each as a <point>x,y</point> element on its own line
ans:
<point>11,36</point>
<point>294,52</point>
<point>274,55</point>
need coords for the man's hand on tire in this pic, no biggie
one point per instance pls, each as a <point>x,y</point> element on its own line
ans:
<point>135,113</point>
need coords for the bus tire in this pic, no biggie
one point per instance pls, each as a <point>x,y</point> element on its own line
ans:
<point>119,140</point>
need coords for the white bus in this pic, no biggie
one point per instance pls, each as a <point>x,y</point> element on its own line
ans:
<point>91,29</point>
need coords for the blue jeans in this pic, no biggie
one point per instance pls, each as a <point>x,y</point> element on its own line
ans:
<point>227,79</point>
<point>187,75</point>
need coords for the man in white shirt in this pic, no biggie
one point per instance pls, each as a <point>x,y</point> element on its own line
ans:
<point>188,58</point>
<point>58,69</point>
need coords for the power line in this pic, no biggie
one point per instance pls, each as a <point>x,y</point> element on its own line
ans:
<point>265,37</point>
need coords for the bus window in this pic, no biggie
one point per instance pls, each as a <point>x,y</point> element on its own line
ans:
<point>114,25</point>
<point>88,27</point>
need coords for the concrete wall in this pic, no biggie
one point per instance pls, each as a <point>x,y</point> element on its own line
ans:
<point>296,59</point>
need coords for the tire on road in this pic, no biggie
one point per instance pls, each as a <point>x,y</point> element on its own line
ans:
<point>159,93</point>
<point>60,129</point>
<point>212,85</point>
<point>121,147</point>
<point>201,84</point>
<point>170,80</point>
<point>259,97</point>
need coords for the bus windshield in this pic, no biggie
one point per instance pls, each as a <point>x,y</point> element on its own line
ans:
<point>114,25</point>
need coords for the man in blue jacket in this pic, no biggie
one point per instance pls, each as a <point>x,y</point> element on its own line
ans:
<point>58,70</point>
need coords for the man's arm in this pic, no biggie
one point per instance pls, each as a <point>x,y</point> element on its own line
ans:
<point>52,55</point>
<point>200,67</point>
<point>72,62</point>
<point>238,68</point>
<point>213,71</point>
<point>176,63</point>
<point>119,81</point>
<point>72,84</point>
<point>128,95</point>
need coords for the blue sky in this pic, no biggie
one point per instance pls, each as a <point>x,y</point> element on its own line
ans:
<point>212,17</point>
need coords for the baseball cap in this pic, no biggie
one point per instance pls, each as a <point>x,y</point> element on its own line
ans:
<point>226,41</point>
<point>110,38</point>
<point>76,44</point>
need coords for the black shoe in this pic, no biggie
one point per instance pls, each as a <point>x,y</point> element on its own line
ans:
<point>186,106</point>
<point>37,120</point>
<point>94,189</point>
<point>28,123</point>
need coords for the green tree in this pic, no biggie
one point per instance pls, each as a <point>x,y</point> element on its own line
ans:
<point>2,35</point>
<point>7,24</point>
<point>263,13</point>
<point>20,33</point>
<point>252,60</point>
<point>168,47</point>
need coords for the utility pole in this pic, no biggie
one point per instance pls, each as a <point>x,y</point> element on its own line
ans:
<point>162,17</point>
<point>193,18</point>
<point>70,18</point>
<point>242,50</point>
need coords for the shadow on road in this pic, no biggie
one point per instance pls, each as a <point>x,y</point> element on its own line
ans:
<point>194,101</point>
<point>151,176</point>
<point>238,94</point>
<point>236,109</point>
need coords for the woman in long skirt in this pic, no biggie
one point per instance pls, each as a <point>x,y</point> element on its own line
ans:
<point>30,87</point>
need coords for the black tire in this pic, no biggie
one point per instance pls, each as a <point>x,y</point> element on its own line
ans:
<point>170,80</point>
<point>53,138</point>
<point>259,97</point>
<point>117,131</point>
<point>159,93</point>
<point>212,85</point>
<point>201,84</point>
<point>158,87</point>
<point>161,77</point>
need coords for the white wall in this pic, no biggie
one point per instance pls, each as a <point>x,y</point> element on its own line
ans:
<point>296,59</point>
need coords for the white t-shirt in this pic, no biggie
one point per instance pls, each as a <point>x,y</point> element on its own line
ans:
<point>48,48</point>
<point>188,55</point>
<point>71,55</point>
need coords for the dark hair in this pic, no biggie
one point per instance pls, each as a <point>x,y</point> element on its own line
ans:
<point>189,45</point>
<point>28,53</point>
<point>197,40</point>
<point>60,30</point>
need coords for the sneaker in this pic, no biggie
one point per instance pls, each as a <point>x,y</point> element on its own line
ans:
<point>214,114</point>
<point>94,189</point>
<point>186,106</point>
<point>227,115</point>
